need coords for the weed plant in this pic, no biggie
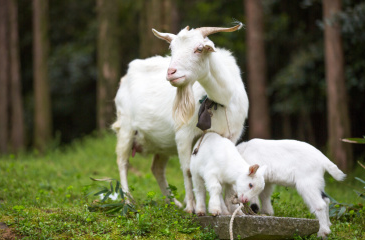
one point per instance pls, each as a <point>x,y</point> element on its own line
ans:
<point>48,197</point>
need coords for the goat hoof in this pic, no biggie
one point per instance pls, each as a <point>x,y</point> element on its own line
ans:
<point>189,210</point>
<point>178,204</point>
<point>323,233</point>
<point>199,214</point>
<point>215,213</point>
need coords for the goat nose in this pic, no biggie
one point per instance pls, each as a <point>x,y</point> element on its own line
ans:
<point>171,71</point>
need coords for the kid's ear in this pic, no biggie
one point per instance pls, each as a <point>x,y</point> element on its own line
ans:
<point>209,45</point>
<point>252,170</point>
<point>262,170</point>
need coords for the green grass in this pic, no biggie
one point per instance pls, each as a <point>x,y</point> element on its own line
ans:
<point>43,197</point>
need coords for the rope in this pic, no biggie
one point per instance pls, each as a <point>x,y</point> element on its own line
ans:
<point>229,129</point>
<point>205,131</point>
<point>200,141</point>
<point>245,209</point>
<point>231,222</point>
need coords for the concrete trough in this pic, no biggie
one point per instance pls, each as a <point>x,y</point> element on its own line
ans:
<point>260,227</point>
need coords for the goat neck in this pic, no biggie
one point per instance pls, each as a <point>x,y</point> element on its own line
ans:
<point>221,81</point>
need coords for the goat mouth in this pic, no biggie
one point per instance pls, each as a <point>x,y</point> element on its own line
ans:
<point>174,80</point>
<point>244,200</point>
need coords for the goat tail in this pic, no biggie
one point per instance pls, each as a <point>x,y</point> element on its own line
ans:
<point>334,171</point>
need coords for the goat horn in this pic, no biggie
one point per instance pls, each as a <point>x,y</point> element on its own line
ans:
<point>206,31</point>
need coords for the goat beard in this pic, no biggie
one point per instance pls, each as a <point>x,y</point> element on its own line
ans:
<point>184,105</point>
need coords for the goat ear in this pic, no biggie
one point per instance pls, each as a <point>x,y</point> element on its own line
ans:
<point>168,37</point>
<point>209,45</point>
<point>262,170</point>
<point>252,170</point>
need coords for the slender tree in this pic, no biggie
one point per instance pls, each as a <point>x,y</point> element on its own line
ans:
<point>338,113</point>
<point>161,15</point>
<point>16,100</point>
<point>108,60</point>
<point>259,117</point>
<point>4,75</point>
<point>42,96</point>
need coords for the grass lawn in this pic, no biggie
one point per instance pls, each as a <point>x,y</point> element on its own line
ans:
<point>43,197</point>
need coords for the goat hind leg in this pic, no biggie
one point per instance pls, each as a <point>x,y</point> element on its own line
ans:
<point>200,195</point>
<point>158,169</point>
<point>317,205</point>
<point>327,201</point>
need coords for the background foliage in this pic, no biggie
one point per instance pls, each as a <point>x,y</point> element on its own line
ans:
<point>294,49</point>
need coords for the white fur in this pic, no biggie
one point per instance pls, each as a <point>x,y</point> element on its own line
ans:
<point>144,104</point>
<point>218,164</point>
<point>294,164</point>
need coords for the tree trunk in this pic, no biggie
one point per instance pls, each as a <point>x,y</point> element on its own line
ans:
<point>4,75</point>
<point>158,14</point>
<point>108,61</point>
<point>338,113</point>
<point>16,101</point>
<point>42,104</point>
<point>287,132</point>
<point>259,116</point>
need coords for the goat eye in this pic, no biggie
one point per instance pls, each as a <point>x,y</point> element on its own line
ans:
<point>199,49</point>
<point>250,185</point>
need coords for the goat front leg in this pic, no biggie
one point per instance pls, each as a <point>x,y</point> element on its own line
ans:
<point>158,169</point>
<point>123,150</point>
<point>265,197</point>
<point>215,195</point>
<point>184,148</point>
<point>230,194</point>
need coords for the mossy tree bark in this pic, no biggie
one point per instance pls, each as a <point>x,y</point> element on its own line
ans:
<point>42,96</point>
<point>161,15</point>
<point>259,115</point>
<point>108,61</point>
<point>16,99</point>
<point>4,75</point>
<point>337,102</point>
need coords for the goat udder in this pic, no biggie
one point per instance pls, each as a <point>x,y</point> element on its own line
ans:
<point>136,148</point>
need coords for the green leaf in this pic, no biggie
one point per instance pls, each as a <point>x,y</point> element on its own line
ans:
<point>102,191</point>
<point>341,212</point>
<point>106,196</point>
<point>354,140</point>
<point>112,205</point>
<point>332,212</point>
<point>121,193</point>
<point>117,186</point>
<point>111,187</point>
<point>362,195</point>
<point>114,210</point>
<point>361,164</point>
<point>102,179</point>
<point>131,208</point>
<point>359,179</point>
<point>125,209</point>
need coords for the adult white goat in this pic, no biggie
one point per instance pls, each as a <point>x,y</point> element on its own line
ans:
<point>146,102</point>
<point>293,164</point>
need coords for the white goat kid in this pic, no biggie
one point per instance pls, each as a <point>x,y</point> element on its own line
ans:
<point>146,102</point>
<point>218,164</point>
<point>194,58</point>
<point>294,164</point>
